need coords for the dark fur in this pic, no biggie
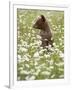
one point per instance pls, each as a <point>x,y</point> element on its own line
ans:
<point>45,33</point>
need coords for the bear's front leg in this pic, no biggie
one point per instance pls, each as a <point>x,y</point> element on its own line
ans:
<point>44,43</point>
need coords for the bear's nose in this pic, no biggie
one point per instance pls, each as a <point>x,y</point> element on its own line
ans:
<point>34,26</point>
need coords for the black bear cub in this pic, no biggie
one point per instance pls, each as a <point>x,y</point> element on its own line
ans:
<point>45,32</point>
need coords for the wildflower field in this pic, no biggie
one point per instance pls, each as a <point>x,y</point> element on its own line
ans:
<point>34,62</point>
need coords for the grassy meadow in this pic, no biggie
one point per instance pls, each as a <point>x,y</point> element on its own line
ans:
<point>34,62</point>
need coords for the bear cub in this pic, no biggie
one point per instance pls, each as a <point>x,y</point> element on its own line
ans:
<point>45,32</point>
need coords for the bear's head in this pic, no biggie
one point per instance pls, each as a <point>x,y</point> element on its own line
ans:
<point>40,23</point>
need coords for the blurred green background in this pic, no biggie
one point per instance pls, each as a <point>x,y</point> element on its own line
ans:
<point>34,62</point>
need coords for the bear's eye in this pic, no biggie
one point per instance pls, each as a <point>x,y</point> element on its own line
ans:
<point>39,21</point>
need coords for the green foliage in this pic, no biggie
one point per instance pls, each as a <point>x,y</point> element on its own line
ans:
<point>34,62</point>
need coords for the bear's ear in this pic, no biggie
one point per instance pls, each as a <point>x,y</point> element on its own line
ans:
<point>43,18</point>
